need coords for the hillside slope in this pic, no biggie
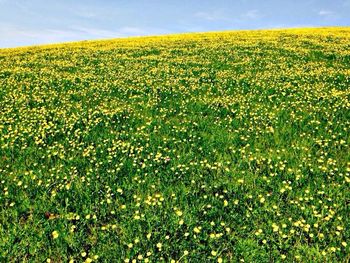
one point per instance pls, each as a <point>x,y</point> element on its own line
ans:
<point>212,147</point>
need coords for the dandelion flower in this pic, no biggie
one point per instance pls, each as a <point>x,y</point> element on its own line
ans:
<point>54,234</point>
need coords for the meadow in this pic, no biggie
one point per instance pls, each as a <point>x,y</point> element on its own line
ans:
<point>207,147</point>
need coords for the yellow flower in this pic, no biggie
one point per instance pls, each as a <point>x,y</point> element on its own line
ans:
<point>275,228</point>
<point>54,234</point>
<point>197,230</point>
<point>179,213</point>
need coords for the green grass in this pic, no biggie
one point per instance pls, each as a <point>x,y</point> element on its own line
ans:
<point>216,147</point>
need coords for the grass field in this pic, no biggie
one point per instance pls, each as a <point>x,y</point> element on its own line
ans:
<point>211,147</point>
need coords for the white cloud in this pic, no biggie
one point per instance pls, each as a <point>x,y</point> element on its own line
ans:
<point>125,31</point>
<point>90,32</point>
<point>87,14</point>
<point>219,15</point>
<point>16,36</point>
<point>128,30</point>
<point>328,14</point>
<point>211,16</point>
<point>252,14</point>
<point>325,13</point>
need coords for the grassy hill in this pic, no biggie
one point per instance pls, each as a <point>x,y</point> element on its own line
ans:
<point>210,147</point>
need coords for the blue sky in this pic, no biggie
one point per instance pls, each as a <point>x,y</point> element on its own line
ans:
<point>28,22</point>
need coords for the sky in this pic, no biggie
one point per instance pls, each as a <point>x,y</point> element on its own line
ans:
<point>32,22</point>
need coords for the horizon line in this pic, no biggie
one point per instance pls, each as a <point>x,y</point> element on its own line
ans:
<point>169,35</point>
